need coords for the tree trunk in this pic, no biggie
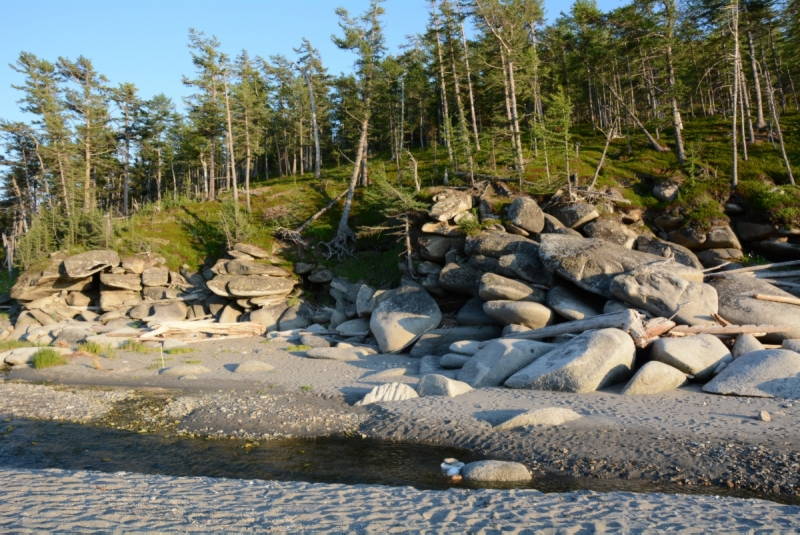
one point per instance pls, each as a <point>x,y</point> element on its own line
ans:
<point>677,122</point>
<point>445,111</point>
<point>735,107</point>
<point>774,112</point>
<point>231,154</point>
<point>248,162</point>
<point>344,234</point>
<point>653,143</point>
<point>761,123</point>
<point>469,88</point>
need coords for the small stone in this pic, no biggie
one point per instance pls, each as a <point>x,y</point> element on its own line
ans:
<point>497,471</point>
<point>439,385</point>
<point>547,417</point>
<point>389,392</point>
<point>764,416</point>
<point>320,276</point>
<point>253,366</point>
<point>530,314</point>
<point>356,327</point>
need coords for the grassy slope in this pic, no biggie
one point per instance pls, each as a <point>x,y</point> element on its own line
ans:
<point>190,232</point>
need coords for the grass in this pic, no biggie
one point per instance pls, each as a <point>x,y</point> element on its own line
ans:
<point>306,388</point>
<point>178,351</point>
<point>192,361</point>
<point>301,347</point>
<point>47,358</point>
<point>96,349</point>
<point>134,346</point>
<point>6,345</point>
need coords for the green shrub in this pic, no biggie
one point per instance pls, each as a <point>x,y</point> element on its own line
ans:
<point>134,346</point>
<point>779,204</point>
<point>179,351</point>
<point>96,349</point>
<point>47,358</point>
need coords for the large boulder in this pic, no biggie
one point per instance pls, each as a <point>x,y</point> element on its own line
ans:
<point>654,377</point>
<point>434,247</point>
<point>737,304</point>
<point>437,341</point>
<point>460,278</point>
<point>240,286</point>
<point>527,313</point>
<point>499,359</point>
<point>592,263</point>
<point>174,311</point>
<point>496,471</point>
<point>666,249</point>
<point>525,213</point>
<point>575,214</point>
<point>268,316</point>
<point>589,361</point>
<point>155,276</point>
<point>496,287</point>
<point>88,263</point>
<point>768,373</point>
<point>471,313</point>
<point>497,244</point>
<point>661,292</point>
<point>449,204</point>
<point>610,230</point>
<point>389,392</point>
<point>122,281</point>
<point>569,304</point>
<point>251,250</point>
<point>113,299</point>
<point>402,316</point>
<point>245,267</point>
<point>695,355</point>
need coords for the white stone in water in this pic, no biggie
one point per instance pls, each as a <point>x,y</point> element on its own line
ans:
<point>498,471</point>
<point>389,392</point>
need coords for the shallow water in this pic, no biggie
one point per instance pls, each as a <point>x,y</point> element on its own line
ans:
<point>40,444</point>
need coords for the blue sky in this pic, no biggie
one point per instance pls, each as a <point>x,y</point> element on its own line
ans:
<point>144,41</point>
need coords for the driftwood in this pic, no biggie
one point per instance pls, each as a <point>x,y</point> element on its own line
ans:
<point>629,321</point>
<point>779,274</point>
<point>750,269</point>
<point>778,299</point>
<point>727,330</point>
<point>202,330</point>
<point>653,330</point>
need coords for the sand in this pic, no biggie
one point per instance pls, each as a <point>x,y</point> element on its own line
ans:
<point>37,501</point>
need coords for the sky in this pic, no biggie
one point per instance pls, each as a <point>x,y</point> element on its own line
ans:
<point>144,41</point>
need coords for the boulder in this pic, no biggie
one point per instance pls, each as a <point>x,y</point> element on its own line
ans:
<point>499,359</point>
<point>528,313</point>
<point>240,286</point>
<point>592,263</point>
<point>268,316</point>
<point>442,229</point>
<point>320,276</point>
<point>402,316</point>
<point>314,340</point>
<point>466,347</point>
<point>365,300</point>
<point>525,213</point>
<point>251,250</point>
<point>589,361</point>
<point>496,471</point>
<point>174,311</point>
<point>78,299</point>
<point>303,268</point>
<point>449,204</point>
<point>768,373</point>
<point>453,361</point>
<point>722,237</point>
<point>695,355</point>
<point>654,377</point>
<point>439,385</point>
<point>229,314</point>
<point>134,264</point>
<point>471,313</point>
<point>792,345</point>
<point>666,191</point>
<point>497,244</point>
<point>249,367</point>
<point>356,327</point>
<point>496,287</point>
<point>546,417</point>
<point>344,354</point>
<point>243,267</point>
<point>747,343</point>
<point>88,263</point>
<point>437,341</point>
<point>569,304</point>
<point>663,248</point>
<point>185,370</point>
<point>155,276</point>
<point>610,230</point>
<point>749,231</point>
<point>433,247</point>
<point>131,282</point>
<point>663,293</point>
<point>112,299</point>
<point>294,317</point>
<point>462,279</point>
<point>573,215</point>
<point>737,305</point>
<point>389,392</point>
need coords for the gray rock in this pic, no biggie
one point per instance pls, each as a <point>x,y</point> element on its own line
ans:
<point>174,311</point>
<point>592,263</point>
<point>320,276</point>
<point>22,356</point>
<point>155,276</point>
<point>612,305</point>
<point>244,267</point>
<point>525,213</point>
<point>429,364</point>
<point>659,291</point>
<point>553,226</point>
<point>250,367</point>
<point>654,377</point>
<point>450,203</point>
<point>467,347</point>
<point>439,385</point>
<point>313,340</point>
<point>294,317</point>
<point>500,359</point>
<point>437,341</point>
<point>365,300</point>
<point>402,316</point>
<point>496,287</point>
<point>791,345</point>
<point>546,417</point>
<point>88,263</point>
<point>389,392</point>
<point>749,231</point>
<point>528,313</point>
<point>666,249</point>
<point>496,471</point>
<point>453,361</point>
<point>665,191</point>
<point>688,237</point>
<point>737,305</point>
<point>472,314</point>
<point>715,257</point>
<point>185,370</point>
<point>251,250</point>
<point>122,282</point>
<point>242,286</point>
<point>303,268</point>
<point>268,316</point>
<point>592,360</point>
<point>694,355</point>
<point>229,314</point>
<point>610,230</point>
<point>338,353</point>
<point>747,343</point>
<point>569,304</point>
<point>442,229</point>
<point>575,214</point>
<point>496,244</point>
<point>113,299</point>
<point>356,327</point>
<point>461,279</point>
<point>525,267</point>
<point>434,247</point>
<point>722,237</point>
<point>768,373</point>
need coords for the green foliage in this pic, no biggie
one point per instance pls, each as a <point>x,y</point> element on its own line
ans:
<point>52,230</point>
<point>297,348</point>
<point>179,351</point>
<point>96,349</point>
<point>6,345</point>
<point>134,346</point>
<point>47,358</point>
<point>777,204</point>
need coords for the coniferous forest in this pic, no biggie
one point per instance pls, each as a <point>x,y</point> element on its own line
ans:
<point>705,92</point>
